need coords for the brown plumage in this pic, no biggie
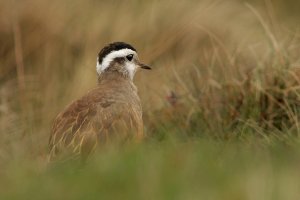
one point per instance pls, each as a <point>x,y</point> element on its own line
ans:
<point>110,111</point>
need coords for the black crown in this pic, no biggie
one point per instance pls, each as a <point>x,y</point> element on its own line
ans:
<point>115,46</point>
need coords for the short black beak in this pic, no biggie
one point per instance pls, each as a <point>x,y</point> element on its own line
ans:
<point>143,66</point>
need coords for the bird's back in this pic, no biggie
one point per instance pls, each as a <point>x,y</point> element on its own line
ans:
<point>111,110</point>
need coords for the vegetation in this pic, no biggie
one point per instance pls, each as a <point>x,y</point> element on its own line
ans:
<point>221,105</point>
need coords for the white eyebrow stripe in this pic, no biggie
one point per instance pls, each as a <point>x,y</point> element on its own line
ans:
<point>110,57</point>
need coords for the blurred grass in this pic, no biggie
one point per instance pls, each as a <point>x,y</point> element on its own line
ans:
<point>201,169</point>
<point>221,105</point>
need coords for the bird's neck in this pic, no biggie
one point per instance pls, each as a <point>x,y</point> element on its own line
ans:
<point>115,79</point>
<point>113,76</point>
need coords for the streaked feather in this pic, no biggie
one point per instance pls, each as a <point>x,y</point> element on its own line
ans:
<point>110,110</point>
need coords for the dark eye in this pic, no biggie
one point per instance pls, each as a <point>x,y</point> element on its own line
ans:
<point>129,57</point>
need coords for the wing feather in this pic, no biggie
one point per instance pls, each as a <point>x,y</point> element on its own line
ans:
<point>90,120</point>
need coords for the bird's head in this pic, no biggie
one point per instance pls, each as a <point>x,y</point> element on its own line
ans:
<point>119,57</point>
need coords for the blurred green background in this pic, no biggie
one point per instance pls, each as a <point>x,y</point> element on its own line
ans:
<point>221,105</point>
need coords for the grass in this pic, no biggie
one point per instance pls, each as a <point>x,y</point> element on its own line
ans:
<point>195,169</point>
<point>221,105</point>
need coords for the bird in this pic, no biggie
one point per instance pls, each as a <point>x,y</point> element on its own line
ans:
<point>110,111</point>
